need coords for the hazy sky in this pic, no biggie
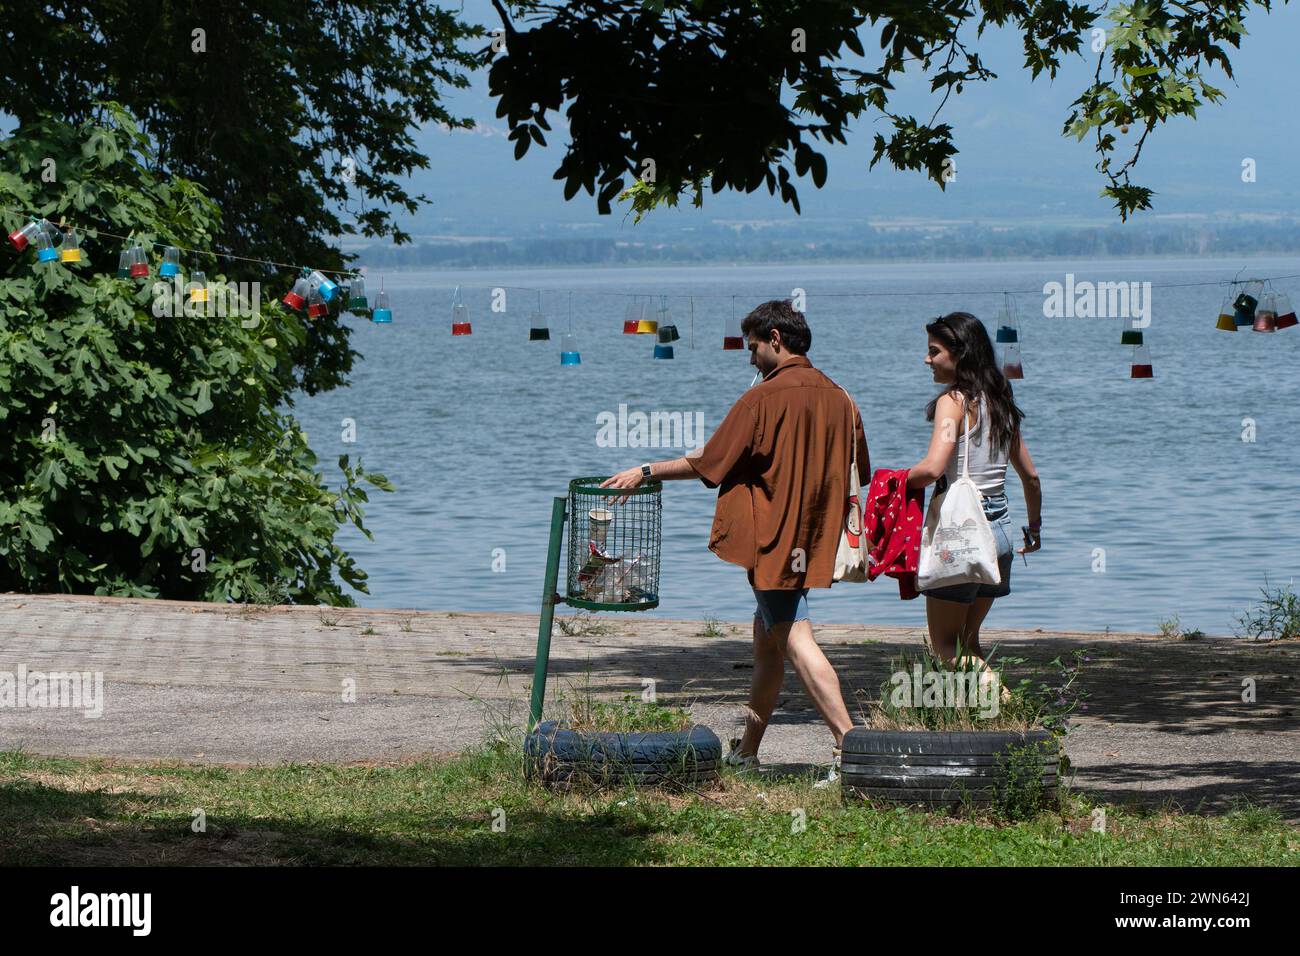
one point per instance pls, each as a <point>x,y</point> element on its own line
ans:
<point>1013,162</point>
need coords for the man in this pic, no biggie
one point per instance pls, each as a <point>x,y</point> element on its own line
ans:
<point>780,460</point>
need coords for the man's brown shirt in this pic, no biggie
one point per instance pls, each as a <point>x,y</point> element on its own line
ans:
<point>780,460</point>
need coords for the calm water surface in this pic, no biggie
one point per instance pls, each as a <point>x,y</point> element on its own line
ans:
<point>479,432</point>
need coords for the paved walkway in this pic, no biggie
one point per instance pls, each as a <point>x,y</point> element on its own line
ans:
<point>202,682</point>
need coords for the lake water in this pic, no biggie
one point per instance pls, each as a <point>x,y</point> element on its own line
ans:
<point>480,432</point>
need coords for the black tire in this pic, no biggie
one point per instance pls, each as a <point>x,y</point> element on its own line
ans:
<point>945,769</point>
<point>561,757</point>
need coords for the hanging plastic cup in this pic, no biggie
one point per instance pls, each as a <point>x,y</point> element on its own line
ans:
<point>569,354</point>
<point>318,282</point>
<point>646,326</point>
<point>139,262</point>
<point>317,307</point>
<point>1285,313</point>
<point>198,286</point>
<point>383,311</point>
<point>663,351</point>
<point>1141,363</point>
<point>124,264</point>
<point>171,265</point>
<point>47,250</point>
<point>538,330</point>
<point>1008,334</point>
<point>460,324</point>
<point>1130,337</point>
<point>22,236</point>
<point>1011,363</point>
<point>1266,313</point>
<point>664,322</point>
<point>296,298</point>
<point>732,338</point>
<point>70,251</point>
<point>664,326</point>
<point>357,300</point>
<point>1226,322</point>
<point>632,318</point>
<point>1245,302</point>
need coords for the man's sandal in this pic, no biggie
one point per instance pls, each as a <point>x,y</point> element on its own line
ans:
<point>837,756</point>
<point>738,760</point>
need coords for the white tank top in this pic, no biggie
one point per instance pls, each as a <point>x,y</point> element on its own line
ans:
<point>987,469</point>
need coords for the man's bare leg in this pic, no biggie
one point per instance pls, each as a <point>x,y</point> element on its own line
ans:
<point>764,687</point>
<point>818,676</point>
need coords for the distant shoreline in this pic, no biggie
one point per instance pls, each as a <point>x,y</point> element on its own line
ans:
<point>791,244</point>
<point>1227,261</point>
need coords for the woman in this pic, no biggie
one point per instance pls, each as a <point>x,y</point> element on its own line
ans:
<point>975,392</point>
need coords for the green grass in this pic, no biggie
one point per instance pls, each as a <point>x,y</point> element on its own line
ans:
<point>56,811</point>
<point>583,624</point>
<point>712,628</point>
<point>587,714</point>
<point>1276,616</point>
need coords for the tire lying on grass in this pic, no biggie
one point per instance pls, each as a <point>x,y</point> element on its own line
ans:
<point>980,768</point>
<point>559,757</point>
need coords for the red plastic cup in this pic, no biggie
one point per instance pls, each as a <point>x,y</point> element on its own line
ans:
<point>19,239</point>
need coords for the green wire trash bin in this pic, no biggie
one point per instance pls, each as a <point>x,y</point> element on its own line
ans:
<point>614,548</point>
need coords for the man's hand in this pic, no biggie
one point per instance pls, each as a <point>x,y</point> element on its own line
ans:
<point>631,478</point>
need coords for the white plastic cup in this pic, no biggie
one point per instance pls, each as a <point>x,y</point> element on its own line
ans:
<point>600,519</point>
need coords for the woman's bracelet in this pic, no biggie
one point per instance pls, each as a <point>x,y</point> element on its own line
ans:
<point>1036,525</point>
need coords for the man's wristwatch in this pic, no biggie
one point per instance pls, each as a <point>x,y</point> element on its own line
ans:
<point>645,471</point>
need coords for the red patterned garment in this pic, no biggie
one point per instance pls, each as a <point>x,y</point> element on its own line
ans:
<point>893,516</point>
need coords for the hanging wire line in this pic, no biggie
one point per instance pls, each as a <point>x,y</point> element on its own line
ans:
<point>65,224</point>
<point>864,294</point>
<point>634,295</point>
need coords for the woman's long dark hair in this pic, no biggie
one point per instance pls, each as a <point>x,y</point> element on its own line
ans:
<point>978,375</point>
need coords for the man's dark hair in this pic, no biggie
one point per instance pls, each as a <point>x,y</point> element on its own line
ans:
<point>779,314</point>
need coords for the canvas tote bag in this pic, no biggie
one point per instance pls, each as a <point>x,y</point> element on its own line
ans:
<point>851,555</point>
<point>957,544</point>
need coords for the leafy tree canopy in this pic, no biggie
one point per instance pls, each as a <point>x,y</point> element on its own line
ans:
<point>285,112</point>
<point>738,95</point>
<point>149,454</point>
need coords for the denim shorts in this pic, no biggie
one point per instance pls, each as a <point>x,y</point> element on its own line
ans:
<point>997,511</point>
<point>781,607</point>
